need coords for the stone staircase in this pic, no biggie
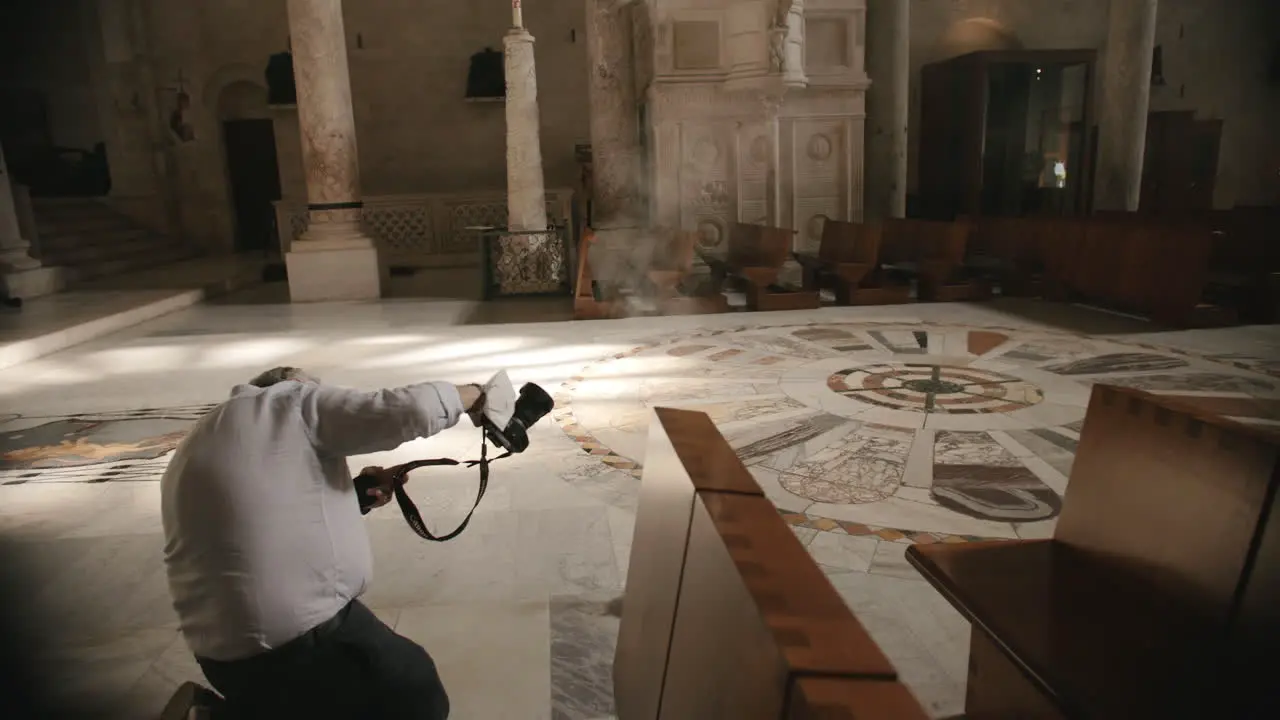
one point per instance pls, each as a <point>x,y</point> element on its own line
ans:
<point>89,240</point>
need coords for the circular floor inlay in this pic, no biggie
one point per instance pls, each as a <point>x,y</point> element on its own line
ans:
<point>935,388</point>
<point>916,432</point>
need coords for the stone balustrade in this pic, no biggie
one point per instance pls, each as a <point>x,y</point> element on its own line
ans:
<point>426,229</point>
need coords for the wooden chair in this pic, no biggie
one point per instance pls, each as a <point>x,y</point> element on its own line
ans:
<point>848,263</point>
<point>672,280</point>
<point>1159,593</point>
<point>755,257</point>
<point>591,300</point>
<point>725,614</point>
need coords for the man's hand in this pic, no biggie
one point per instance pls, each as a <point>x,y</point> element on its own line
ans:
<point>384,490</point>
<point>472,401</point>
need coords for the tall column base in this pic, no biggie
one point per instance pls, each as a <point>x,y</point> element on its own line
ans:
<point>334,270</point>
<point>33,283</point>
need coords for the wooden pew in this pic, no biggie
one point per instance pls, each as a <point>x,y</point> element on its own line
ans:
<point>755,256</point>
<point>1245,260</point>
<point>672,280</point>
<point>848,262</point>
<point>1153,267</point>
<point>934,253</point>
<point>1030,253</point>
<point>1153,599</point>
<point>725,615</point>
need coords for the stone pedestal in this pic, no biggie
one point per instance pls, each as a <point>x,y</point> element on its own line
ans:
<point>1126,96</point>
<point>888,105</point>
<point>334,259</point>
<point>22,275</point>
<point>526,195</point>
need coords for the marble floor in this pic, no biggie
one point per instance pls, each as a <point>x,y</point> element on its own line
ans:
<point>870,428</point>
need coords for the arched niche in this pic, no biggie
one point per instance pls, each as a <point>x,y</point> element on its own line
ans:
<point>973,35</point>
<point>242,100</point>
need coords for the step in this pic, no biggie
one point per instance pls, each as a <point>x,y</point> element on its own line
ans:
<point>80,274</point>
<point>49,324</point>
<point>86,254</point>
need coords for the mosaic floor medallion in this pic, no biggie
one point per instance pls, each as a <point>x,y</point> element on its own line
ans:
<point>93,447</point>
<point>916,433</point>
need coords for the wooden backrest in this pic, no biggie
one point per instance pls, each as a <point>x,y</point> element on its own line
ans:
<point>724,609</point>
<point>675,249</point>
<point>759,245</point>
<point>582,285</point>
<point>922,241</point>
<point>1173,489</point>
<point>1150,265</point>
<point>849,242</point>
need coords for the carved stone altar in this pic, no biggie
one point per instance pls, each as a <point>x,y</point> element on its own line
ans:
<point>755,114</point>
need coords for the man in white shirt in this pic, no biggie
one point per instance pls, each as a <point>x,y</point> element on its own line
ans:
<point>267,553</point>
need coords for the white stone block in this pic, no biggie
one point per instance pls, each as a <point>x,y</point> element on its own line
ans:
<point>330,274</point>
<point>34,283</point>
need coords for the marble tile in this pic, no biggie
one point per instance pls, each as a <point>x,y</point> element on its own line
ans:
<point>480,646</point>
<point>843,553</point>
<point>1118,363</point>
<point>584,637</point>
<point>890,559</point>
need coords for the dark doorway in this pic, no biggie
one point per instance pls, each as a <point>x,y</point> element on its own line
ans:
<point>1180,167</point>
<point>255,181</point>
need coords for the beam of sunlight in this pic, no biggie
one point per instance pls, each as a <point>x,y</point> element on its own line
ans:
<point>251,353</point>
<point>439,353</point>
<point>379,340</point>
<point>141,359</point>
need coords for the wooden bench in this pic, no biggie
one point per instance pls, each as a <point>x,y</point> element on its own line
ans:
<point>1244,264</point>
<point>934,253</point>
<point>1027,252</point>
<point>848,262</point>
<point>755,257</point>
<point>725,615</point>
<point>1159,594</point>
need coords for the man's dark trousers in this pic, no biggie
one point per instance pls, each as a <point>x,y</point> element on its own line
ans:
<point>352,666</point>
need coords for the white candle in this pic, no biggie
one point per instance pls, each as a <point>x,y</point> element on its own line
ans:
<point>517,17</point>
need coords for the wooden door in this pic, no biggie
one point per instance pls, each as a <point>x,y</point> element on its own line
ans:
<point>255,181</point>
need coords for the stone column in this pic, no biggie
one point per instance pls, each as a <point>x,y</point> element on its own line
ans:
<point>526,196</point>
<point>888,105</point>
<point>22,275</point>
<point>1126,96</point>
<point>617,199</point>
<point>334,259</point>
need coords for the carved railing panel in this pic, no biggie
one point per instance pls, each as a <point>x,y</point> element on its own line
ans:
<point>427,229</point>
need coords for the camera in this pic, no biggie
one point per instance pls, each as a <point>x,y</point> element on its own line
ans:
<point>530,407</point>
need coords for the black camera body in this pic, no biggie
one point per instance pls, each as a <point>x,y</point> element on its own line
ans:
<point>532,405</point>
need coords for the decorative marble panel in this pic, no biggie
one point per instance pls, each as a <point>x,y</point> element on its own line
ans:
<point>696,45</point>
<point>400,227</point>
<point>827,43</point>
<point>820,181</point>
<point>755,161</point>
<point>708,196</point>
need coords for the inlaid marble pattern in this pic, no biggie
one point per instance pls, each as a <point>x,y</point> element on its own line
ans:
<point>909,432</point>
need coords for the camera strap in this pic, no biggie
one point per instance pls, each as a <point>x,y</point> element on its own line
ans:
<point>410,511</point>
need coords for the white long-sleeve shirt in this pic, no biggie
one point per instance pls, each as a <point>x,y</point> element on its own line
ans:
<point>263,534</point>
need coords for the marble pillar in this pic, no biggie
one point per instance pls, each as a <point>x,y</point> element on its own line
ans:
<point>22,275</point>
<point>334,259</point>
<point>1126,96</point>
<point>526,196</point>
<point>617,201</point>
<point>888,105</point>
